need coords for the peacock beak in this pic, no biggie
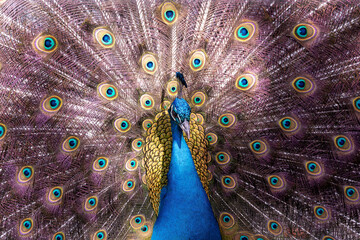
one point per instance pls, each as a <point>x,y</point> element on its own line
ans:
<point>185,126</point>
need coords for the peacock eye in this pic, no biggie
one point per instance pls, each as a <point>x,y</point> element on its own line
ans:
<point>71,144</point>
<point>313,168</point>
<point>328,238</point>
<point>59,236</point>
<point>212,138</point>
<point>304,32</point>
<point>303,85</point>
<point>276,182</point>
<point>25,174</point>
<point>3,130</point>
<point>245,81</point>
<point>104,37</point>
<point>129,185</point>
<point>260,237</point>
<point>274,227</point>
<point>351,193</point>
<point>321,213</point>
<point>137,144</point>
<point>107,91</point>
<point>258,147</point>
<point>222,158</point>
<point>131,164</point>
<point>356,104</point>
<point>343,143</point>
<point>55,195</point>
<point>122,125</point>
<point>147,102</point>
<point>144,228</point>
<point>100,164</point>
<point>172,88</point>
<point>45,43</point>
<point>149,63</point>
<point>227,120</point>
<point>146,124</point>
<point>51,104</point>
<point>169,13</point>
<point>226,220</point>
<point>197,60</point>
<point>243,236</point>
<point>136,221</point>
<point>91,203</point>
<point>100,235</point>
<point>228,182</point>
<point>288,124</point>
<point>245,31</point>
<point>26,226</point>
<point>198,99</point>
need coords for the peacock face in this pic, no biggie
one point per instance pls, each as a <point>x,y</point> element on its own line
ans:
<point>180,113</point>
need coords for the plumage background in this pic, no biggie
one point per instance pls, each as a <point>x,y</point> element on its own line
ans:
<point>314,157</point>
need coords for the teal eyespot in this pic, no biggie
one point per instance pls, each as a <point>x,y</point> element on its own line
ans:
<point>274,227</point>
<point>148,102</point>
<point>137,144</point>
<point>25,174</point>
<point>304,32</point>
<point>99,235</point>
<point>173,89</point>
<point>144,228</point>
<point>227,120</point>
<point>258,147</point>
<point>138,220</point>
<point>107,39</point>
<point>196,62</point>
<point>222,158</point>
<point>245,31</point>
<point>303,85</point>
<point>356,104</point>
<point>343,143</point>
<point>71,144</point>
<point>91,203</point>
<point>49,43</point>
<point>124,125</point>
<point>226,220</point>
<point>149,63</point>
<point>110,92</point>
<point>351,194</point>
<point>228,182</point>
<point>45,43</point>
<point>2,130</point>
<point>131,164</point>
<point>321,213</point>
<point>276,182</point>
<point>54,103</point>
<point>289,124</point>
<point>169,15</point>
<point>55,195</point>
<point>129,185</point>
<point>58,236</point>
<point>26,226</point>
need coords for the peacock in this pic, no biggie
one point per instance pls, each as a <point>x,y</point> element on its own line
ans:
<point>180,119</point>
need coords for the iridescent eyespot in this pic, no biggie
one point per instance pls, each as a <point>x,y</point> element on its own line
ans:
<point>245,31</point>
<point>169,13</point>
<point>356,104</point>
<point>226,220</point>
<point>147,102</point>
<point>245,81</point>
<point>288,124</point>
<point>197,60</point>
<point>3,130</point>
<point>276,182</point>
<point>122,125</point>
<point>304,32</point>
<point>274,227</point>
<point>328,238</point>
<point>51,104</point>
<point>100,235</point>
<point>104,37</point>
<point>100,164</point>
<point>351,193</point>
<point>45,43</point>
<point>91,203</point>
<point>303,85</point>
<point>145,230</point>
<point>243,236</point>
<point>58,236</point>
<point>258,147</point>
<point>107,91</point>
<point>222,158</point>
<point>198,99</point>
<point>55,195</point>
<point>313,168</point>
<point>149,63</point>
<point>137,221</point>
<point>212,138</point>
<point>343,143</point>
<point>228,182</point>
<point>26,226</point>
<point>131,164</point>
<point>321,213</point>
<point>260,237</point>
<point>146,124</point>
<point>227,120</point>
<point>129,185</point>
<point>173,88</point>
<point>25,174</point>
<point>137,144</point>
<point>165,105</point>
<point>71,144</point>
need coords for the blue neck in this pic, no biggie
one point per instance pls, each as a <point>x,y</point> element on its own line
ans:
<point>185,211</point>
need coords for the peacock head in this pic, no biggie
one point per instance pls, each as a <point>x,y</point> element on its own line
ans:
<point>180,110</point>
